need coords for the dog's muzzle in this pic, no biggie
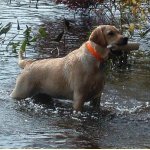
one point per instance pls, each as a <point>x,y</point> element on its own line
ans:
<point>112,47</point>
<point>123,41</point>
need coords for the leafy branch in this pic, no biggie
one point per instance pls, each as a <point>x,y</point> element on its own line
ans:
<point>4,30</point>
<point>29,38</point>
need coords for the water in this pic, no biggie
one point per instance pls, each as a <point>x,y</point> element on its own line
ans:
<point>125,118</point>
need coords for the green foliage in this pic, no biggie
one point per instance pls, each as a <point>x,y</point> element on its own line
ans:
<point>29,38</point>
<point>133,16</point>
<point>133,13</point>
<point>42,32</point>
<point>5,29</point>
<point>34,39</point>
<point>137,17</point>
<point>23,46</point>
<point>143,34</point>
<point>14,46</point>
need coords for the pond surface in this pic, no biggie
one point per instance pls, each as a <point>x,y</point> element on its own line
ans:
<point>125,119</point>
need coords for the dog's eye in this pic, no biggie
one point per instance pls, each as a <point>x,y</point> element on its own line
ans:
<point>111,33</point>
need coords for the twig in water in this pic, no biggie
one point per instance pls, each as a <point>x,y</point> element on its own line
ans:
<point>11,41</point>
<point>58,51</point>
<point>59,37</point>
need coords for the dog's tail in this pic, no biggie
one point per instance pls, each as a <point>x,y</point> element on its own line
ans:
<point>23,62</point>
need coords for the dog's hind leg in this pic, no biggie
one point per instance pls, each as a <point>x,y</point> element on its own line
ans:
<point>23,88</point>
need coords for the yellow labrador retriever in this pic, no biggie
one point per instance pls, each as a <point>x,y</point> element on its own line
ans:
<point>76,76</point>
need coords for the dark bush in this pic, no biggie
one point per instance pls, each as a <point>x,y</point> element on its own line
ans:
<point>80,4</point>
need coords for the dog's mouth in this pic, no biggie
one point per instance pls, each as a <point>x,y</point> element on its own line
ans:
<point>123,41</point>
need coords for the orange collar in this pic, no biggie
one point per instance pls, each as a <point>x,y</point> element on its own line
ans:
<point>97,55</point>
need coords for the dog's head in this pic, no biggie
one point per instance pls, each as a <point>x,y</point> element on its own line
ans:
<point>105,35</point>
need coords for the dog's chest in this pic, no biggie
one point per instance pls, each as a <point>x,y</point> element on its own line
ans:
<point>95,84</point>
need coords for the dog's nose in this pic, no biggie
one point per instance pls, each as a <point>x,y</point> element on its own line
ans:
<point>125,40</point>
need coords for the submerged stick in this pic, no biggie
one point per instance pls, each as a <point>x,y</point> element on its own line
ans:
<point>128,47</point>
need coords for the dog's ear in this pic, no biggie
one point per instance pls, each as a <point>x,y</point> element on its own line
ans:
<point>97,36</point>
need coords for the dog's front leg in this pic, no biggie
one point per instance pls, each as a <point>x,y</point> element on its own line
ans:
<point>78,101</point>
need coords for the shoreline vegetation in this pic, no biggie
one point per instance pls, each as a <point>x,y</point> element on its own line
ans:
<point>57,38</point>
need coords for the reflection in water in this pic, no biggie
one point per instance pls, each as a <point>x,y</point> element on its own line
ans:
<point>124,121</point>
